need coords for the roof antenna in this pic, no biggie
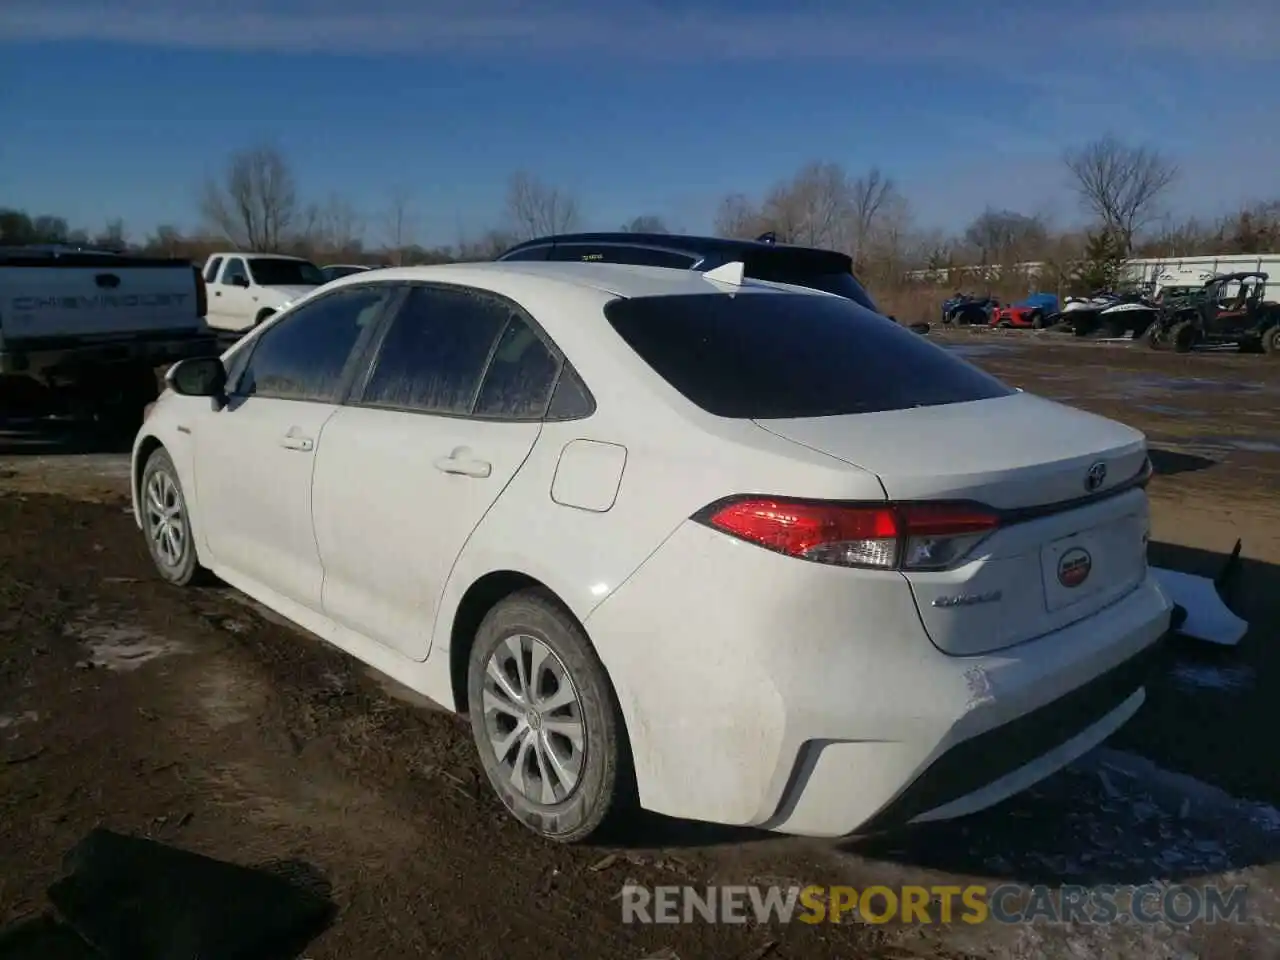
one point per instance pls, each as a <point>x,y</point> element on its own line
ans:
<point>769,237</point>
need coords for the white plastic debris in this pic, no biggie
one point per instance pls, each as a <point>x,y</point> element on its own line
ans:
<point>1208,618</point>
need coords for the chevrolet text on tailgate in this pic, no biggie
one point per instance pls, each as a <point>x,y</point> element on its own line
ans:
<point>88,328</point>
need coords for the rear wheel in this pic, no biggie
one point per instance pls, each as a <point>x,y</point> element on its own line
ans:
<point>1154,337</point>
<point>545,720</point>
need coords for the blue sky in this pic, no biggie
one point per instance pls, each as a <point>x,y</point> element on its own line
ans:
<point>121,108</point>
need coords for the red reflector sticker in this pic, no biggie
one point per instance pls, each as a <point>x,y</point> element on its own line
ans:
<point>1074,567</point>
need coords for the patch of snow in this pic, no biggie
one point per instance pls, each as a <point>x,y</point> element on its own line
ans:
<point>1208,677</point>
<point>979,683</point>
<point>121,648</point>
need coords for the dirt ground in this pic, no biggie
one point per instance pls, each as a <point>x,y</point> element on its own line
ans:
<point>197,718</point>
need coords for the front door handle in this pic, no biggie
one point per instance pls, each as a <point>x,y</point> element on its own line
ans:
<point>292,441</point>
<point>461,463</point>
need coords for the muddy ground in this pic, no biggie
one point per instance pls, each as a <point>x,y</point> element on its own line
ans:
<point>194,717</point>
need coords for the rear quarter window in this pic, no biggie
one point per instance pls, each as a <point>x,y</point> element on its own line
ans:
<point>777,356</point>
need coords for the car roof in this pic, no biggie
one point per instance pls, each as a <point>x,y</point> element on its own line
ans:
<point>609,279</point>
<point>700,245</point>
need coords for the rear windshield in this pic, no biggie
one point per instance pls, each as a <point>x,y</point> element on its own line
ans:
<point>765,356</point>
<point>830,273</point>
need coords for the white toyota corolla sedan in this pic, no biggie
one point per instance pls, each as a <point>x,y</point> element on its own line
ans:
<point>737,551</point>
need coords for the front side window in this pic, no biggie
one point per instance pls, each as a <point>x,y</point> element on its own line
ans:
<point>235,271</point>
<point>304,355</point>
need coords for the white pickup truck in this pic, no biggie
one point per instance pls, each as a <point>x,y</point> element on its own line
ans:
<point>83,331</point>
<point>246,288</point>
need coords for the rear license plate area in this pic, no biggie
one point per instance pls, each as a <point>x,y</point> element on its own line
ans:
<point>1103,560</point>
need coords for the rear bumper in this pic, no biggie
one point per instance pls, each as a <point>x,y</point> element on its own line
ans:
<point>764,691</point>
<point>53,357</point>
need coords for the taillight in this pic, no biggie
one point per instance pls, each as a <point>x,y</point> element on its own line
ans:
<point>887,536</point>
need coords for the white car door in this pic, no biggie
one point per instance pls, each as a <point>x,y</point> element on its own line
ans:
<point>230,306</point>
<point>254,458</point>
<point>450,410</point>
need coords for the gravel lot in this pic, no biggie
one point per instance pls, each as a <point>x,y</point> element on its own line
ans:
<point>197,718</point>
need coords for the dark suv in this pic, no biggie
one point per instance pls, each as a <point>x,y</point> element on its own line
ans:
<point>762,259</point>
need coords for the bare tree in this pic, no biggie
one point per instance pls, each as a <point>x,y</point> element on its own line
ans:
<point>645,223</point>
<point>1121,185</point>
<point>537,209</point>
<point>334,226</point>
<point>256,203</point>
<point>737,218</point>
<point>113,237</point>
<point>1006,237</point>
<point>399,225</point>
<point>870,194</point>
<point>813,207</point>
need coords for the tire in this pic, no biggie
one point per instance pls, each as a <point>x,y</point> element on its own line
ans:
<point>1271,341</point>
<point>1154,338</point>
<point>530,621</point>
<point>1183,336</point>
<point>175,561</point>
<point>1037,321</point>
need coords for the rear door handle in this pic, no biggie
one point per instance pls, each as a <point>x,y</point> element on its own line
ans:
<point>461,463</point>
<point>293,442</point>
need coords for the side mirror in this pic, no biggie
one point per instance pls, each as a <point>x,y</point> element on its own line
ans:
<point>198,377</point>
<point>240,281</point>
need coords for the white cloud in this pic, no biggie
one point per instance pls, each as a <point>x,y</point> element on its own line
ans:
<point>796,31</point>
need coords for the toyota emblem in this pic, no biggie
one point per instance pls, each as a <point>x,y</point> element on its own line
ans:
<point>1096,476</point>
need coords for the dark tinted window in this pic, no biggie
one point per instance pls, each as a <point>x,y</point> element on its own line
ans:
<point>435,351</point>
<point>520,376</point>
<point>528,253</point>
<point>792,355</point>
<point>572,399</point>
<point>303,356</point>
<point>333,273</point>
<point>278,272</point>
<point>235,268</point>
<point>828,273</point>
<point>608,253</point>
<point>211,271</point>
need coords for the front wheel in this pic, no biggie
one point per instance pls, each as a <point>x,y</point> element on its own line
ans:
<point>1271,341</point>
<point>545,720</point>
<point>166,522</point>
<point>1183,336</point>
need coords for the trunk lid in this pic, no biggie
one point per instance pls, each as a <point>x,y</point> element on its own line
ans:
<point>1068,547</point>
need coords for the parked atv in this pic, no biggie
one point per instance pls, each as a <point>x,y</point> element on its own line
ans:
<point>965,309</point>
<point>1219,314</point>
<point>1110,313</point>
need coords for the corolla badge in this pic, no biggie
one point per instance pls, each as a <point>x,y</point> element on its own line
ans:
<point>1074,567</point>
<point>969,599</point>
<point>1096,476</point>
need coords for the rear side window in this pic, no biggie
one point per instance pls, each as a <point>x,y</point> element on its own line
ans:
<point>766,356</point>
<point>612,253</point>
